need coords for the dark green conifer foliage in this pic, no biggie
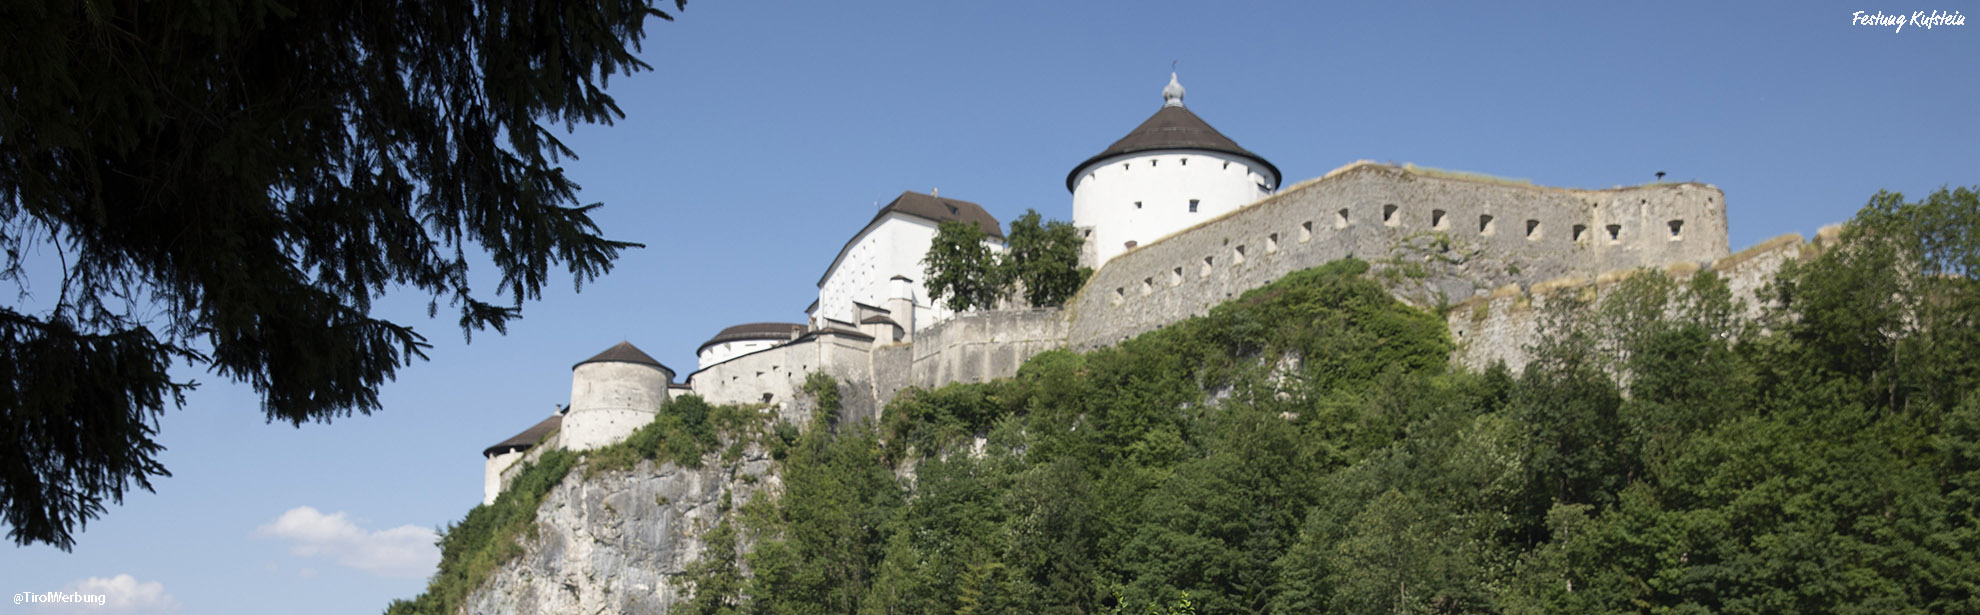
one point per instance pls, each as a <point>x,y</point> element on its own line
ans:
<point>231,184</point>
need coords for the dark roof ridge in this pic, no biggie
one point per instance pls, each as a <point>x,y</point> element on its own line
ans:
<point>623,352</point>
<point>528,438</point>
<point>937,209</point>
<point>754,331</point>
<point>1173,128</point>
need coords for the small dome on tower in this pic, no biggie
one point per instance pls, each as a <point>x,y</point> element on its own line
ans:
<point>1172,94</point>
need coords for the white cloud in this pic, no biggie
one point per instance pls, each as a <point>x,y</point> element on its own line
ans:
<point>404,551</point>
<point>122,595</point>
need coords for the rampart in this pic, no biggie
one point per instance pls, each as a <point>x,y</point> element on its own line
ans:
<point>1506,324</point>
<point>775,376</point>
<point>1438,236</point>
<point>983,346</point>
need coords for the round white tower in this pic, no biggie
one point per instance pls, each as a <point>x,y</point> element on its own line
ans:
<point>1172,172</point>
<point>612,394</point>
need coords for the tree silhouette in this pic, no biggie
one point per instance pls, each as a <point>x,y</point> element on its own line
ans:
<point>231,184</point>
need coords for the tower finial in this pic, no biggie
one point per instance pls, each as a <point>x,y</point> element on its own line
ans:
<point>1172,95</point>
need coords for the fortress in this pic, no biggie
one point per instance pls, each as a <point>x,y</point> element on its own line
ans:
<point>1177,218</point>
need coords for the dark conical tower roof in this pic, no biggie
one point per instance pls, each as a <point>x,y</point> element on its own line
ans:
<point>1173,127</point>
<point>624,352</point>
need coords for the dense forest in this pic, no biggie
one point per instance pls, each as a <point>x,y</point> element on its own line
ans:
<point>1309,448</point>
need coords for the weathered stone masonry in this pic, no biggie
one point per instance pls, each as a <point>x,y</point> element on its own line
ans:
<point>1501,234</point>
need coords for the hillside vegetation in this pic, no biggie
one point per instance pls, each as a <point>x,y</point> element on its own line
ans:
<point>1307,448</point>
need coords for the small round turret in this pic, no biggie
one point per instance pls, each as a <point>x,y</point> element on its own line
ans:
<point>612,394</point>
<point>1172,172</point>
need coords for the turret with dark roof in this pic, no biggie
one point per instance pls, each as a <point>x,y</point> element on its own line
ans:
<point>624,352</point>
<point>1172,127</point>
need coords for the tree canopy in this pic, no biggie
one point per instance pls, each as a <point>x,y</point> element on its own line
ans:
<point>1040,260</point>
<point>231,185</point>
<point>962,269</point>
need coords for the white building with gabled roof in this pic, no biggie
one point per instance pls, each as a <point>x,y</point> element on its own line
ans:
<point>864,280</point>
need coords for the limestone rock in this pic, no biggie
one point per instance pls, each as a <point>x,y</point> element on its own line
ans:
<point>619,541</point>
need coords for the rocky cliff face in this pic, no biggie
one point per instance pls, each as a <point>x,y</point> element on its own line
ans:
<point>618,541</point>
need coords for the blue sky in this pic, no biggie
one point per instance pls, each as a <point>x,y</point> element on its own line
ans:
<point>767,133</point>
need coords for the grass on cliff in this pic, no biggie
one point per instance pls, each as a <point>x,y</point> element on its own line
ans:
<point>684,431</point>
<point>488,537</point>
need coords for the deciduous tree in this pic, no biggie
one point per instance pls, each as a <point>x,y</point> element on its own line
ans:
<point>963,271</point>
<point>1044,259</point>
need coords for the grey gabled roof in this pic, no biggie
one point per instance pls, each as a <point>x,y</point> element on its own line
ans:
<point>528,438</point>
<point>624,352</point>
<point>1172,128</point>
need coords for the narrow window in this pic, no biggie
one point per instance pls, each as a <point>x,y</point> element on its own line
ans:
<point>1532,230</point>
<point>1120,294</point>
<point>1239,259</point>
<point>1271,243</point>
<point>1227,165</point>
<point>1126,166</point>
<point>1147,285</point>
<point>1306,231</point>
<point>1185,162</point>
<point>1152,162</point>
<point>1175,277</point>
<point>1137,204</point>
<point>1340,219</point>
<point>1437,219</point>
<point>1615,232</point>
<point>1485,226</point>
<point>1677,230</point>
<point>1208,261</point>
<point>1389,215</point>
<point>1578,233</point>
<point>1192,205</point>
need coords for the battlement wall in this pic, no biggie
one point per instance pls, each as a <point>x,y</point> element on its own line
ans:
<point>1463,234</point>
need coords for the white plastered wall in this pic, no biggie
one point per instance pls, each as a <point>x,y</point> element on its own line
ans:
<point>1163,182</point>
<point>894,246</point>
<point>717,353</point>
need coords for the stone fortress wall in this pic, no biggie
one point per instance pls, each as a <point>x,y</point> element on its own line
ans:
<point>1457,236</point>
<point>1502,326</point>
<point>1441,237</point>
<point>1497,234</point>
